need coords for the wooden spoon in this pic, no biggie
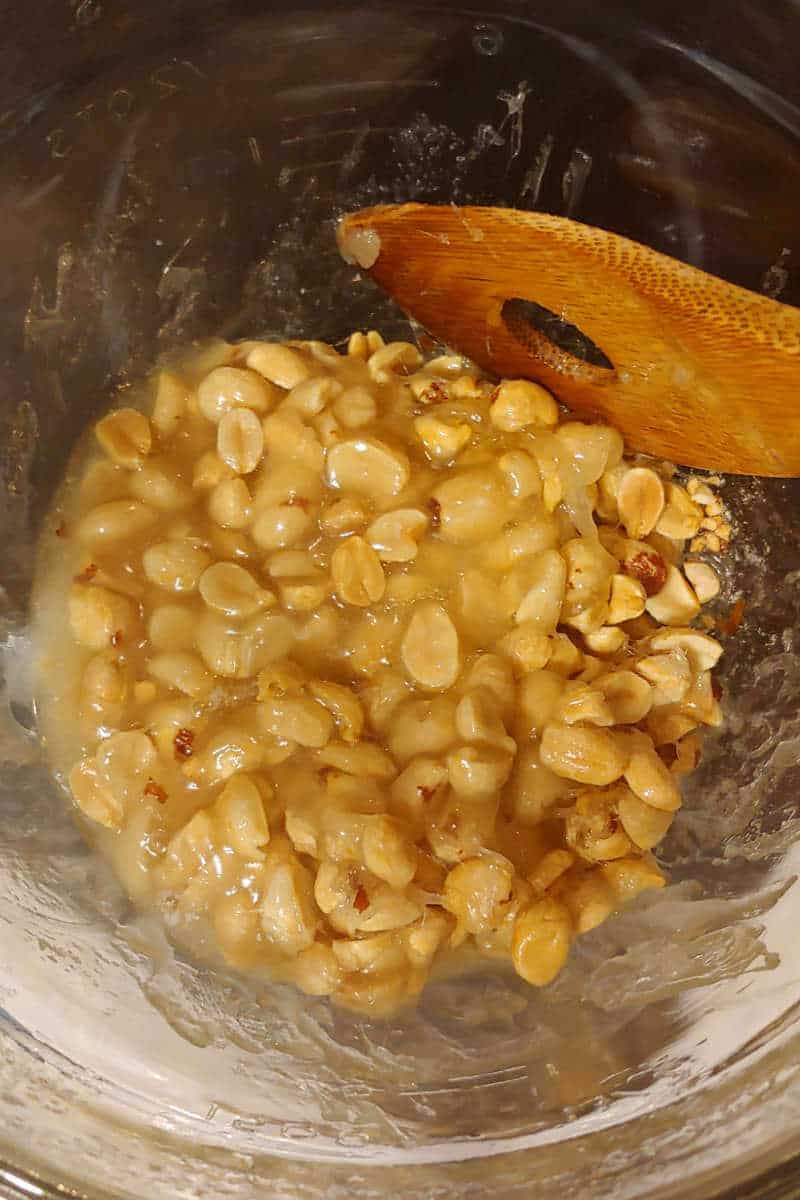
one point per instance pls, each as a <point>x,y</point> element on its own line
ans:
<point>686,366</point>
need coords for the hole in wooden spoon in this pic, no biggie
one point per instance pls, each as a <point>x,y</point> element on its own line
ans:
<point>529,322</point>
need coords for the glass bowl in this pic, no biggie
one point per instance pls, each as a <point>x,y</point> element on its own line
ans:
<point>175,170</point>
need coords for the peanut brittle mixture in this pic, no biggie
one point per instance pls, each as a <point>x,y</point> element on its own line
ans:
<point>352,660</point>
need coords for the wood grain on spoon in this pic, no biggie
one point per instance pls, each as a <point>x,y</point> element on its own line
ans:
<point>688,367</point>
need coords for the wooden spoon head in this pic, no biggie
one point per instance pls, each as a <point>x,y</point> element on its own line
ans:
<point>686,366</point>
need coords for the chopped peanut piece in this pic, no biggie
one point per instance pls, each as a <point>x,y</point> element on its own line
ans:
<point>125,436</point>
<point>675,603</point>
<point>644,824</point>
<point>703,579</point>
<point>702,651</point>
<point>649,779</point>
<point>640,501</point>
<point>627,877</point>
<point>608,639</point>
<point>430,647</point>
<point>369,467</point>
<point>170,404</point>
<point>394,358</point>
<point>681,517</point>
<point>629,696</point>
<point>521,473</point>
<point>240,440</point>
<point>519,403</point>
<point>442,441</point>
<point>585,755</point>
<point>395,535</point>
<point>278,364</point>
<point>627,600</point>
<point>542,936</point>
<point>357,573</point>
<point>668,674</point>
<point>227,388</point>
<point>475,890</point>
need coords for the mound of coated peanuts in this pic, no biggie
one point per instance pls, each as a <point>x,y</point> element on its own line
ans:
<point>377,660</point>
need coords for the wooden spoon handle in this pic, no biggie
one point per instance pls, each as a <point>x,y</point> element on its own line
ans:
<point>687,366</point>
